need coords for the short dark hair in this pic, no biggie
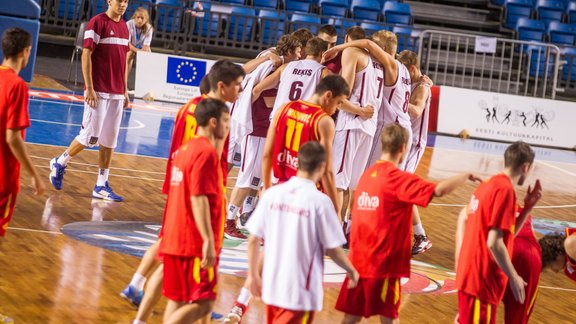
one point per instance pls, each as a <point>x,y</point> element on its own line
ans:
<point>303,35</point>
<point>316,46</point>
<point>334,83</point>
<point>14,41</point>
<point>224,71</point>
<point>393,138</point>
<point>517,154</point>
<point>552,246</point>
<point>209,108</point>
<point>287,43</point>
<point>310,156</point>
<point>205,85</point>
<point>328,30</point>
<point>356,33</point>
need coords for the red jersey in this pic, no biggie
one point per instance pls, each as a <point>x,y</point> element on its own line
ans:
<point>493,205</point>
<point>296,124</point>
<point>186,127</point>
<point>13,115</point>
<point>195,172</point>
<point>570,269</point>
<point>108,41</point>
<point>381,232</point>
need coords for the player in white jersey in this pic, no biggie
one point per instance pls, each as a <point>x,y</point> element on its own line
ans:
<point>297,79</point>
<point>418,109</point>
<point>299,226</point>
<point>249,128</point>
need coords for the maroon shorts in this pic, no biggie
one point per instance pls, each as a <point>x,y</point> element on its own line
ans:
<point>371,297</point>
<point>473,311</point>
<point>277,315</point>
<point>7,203</point>
<point>185,281</point>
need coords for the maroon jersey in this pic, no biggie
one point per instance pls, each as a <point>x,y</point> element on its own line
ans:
<point>335,64</point>
<point>261,112</point>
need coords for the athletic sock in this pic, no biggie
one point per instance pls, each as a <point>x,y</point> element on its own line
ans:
<point>244,297</point>
<point>64,158</point>
<point>418,229</point>
<point>102,177</point>
<point>249,204</point>
<point>136,321</point>
<point>138,281</point>
<point>232,211</point>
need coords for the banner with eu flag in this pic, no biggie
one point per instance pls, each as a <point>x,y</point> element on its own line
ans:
<point>185,71</point>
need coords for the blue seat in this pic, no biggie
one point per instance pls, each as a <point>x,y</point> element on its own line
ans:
<point>530,29</point>
<point>206,24</point>
<point>135,4</point>
<point>299,5</point>
<point>397,13</point>
<point>303,20</point>
<point>366,9</point>
<point>240,25</point>
<point>498,2</point>
<point>239,2</point>
<point>537,59</point>
<point>168,15</point>
<point>70,9</point>
<point>404,34</point>
<point>550,10</point>
<point>569,70</point>
<point>516,9</point>
<point>273,4</point>
<point>372,27</point>
<point>334,8</point>
<point>562,34</point>
<point>571,12</point>
<point>271,26</point>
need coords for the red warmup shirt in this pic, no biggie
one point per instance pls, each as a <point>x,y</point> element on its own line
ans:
<point>13,115</point>
<point>195,172</point>
<point>108,41</point>
<point>493,205</point>
<point>381,232</point>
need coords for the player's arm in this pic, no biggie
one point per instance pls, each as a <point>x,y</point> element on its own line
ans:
<point>201,211</point>
<point>418,99</point>
<point>363,112</point>
<point>340,258</point>
<point>90,96</point>
<point>254,281</point>
<point>446,186</point>
<point>269,82</point>
<point>532,197</point>
<point>18,148</point>
<point>495,243</point>
<point>251,65</point>
<point>268,151</point>
<point>326,130</point>
<point>460,228</point>
<point>132,47</point>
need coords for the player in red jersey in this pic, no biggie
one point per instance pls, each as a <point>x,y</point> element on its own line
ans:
<point>104,68</point>
<point>564,245</point>
<point>381,231</point>
<point>191,250</point>
<point>14,119</point>
<point>485,239</point>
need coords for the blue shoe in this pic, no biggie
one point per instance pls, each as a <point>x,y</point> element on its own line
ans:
<point>133,295</point>
<point>216,317</point>
<point>106,193</point>
<point>57,171</point>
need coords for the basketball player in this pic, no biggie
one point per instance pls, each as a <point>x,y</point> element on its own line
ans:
<point>295,124</point>
<point>561,244</point>
<point>329,34</point>
<point>191,249</point>
<point>353,33</point>
<point>300,226</point>
<point>250,122</point>
<point>104,69</point>
<point>380,235</point>
<point>484,266</point>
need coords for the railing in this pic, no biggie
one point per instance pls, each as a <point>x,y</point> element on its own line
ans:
<point>496,65</point>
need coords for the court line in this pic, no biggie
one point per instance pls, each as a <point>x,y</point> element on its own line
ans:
<point>556,288</point>
<point>557,168</point>
<point>536,207</point>
<point>112,174</point>
<point>33,230</point>
<point>139,126</point>
<point>133,106</point>
<point>132,154</point>
<point>96,166</point>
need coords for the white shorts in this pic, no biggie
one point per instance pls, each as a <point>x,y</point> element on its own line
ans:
<point>234,155</point>
<point>414,157</point>
<point>376,149</point>
<point>351,151</point>
<point>250,173</point>
<point>100,125</point>
<point>402,165</point>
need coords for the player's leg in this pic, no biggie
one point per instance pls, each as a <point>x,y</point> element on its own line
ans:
<point>190,313</point>
<point>135,289</point>
<point>108,139</point>
<point>241,303</point>
<point>351,319</point>
<point>248,207</point>
<point>341,159</point>
<point>421,241</point>
<point>152,294</point>
<point>282,315</point>
<point>171,307</point>
<point>237,197</point>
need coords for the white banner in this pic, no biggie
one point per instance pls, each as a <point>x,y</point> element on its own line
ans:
<point>507,117</point>
<point>168,77</point>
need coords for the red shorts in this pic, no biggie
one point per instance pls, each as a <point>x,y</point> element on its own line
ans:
<point>185,281</point>
<point>371,297</point>
<point>7,203</point>
<point>277,315</point>
<point>473,311</point>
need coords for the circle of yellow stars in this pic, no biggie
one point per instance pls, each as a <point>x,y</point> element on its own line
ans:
<point>182,65</point>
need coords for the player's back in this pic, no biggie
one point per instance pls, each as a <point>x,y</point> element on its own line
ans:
<point>298,81</point>
<point>396,99</point>
<point>296,124</point>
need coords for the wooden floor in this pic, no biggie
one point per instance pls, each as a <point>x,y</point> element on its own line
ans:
<point>48,277</point>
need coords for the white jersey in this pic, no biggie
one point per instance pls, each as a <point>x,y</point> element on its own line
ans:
<point>297,223</point>
<point>396,99</point>
<point>366,91</point>
<point>298,81</point>
<point>420,124</point>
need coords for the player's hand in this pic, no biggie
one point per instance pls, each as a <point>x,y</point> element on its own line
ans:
<point>254,284</point>
<point>329,54</point>
<point>367,112</point>
<point>533,195</point>
<point>518,285</point>
<point>276,59</point>
<point>90,97</point>
<point>126,99</point>
<point>208,254</point>
<point>38,185</point>
<point>353,278</point>
<point>474,178</point>
<point>426,80</point>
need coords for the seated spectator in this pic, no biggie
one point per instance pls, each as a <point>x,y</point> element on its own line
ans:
<point>140,34</point>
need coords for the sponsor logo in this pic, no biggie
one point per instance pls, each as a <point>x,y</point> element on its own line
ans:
<point>176,176</point>
<point>367,202</point>
<point>93,140</point>
<point>287,158</point>
<point>255,182</point>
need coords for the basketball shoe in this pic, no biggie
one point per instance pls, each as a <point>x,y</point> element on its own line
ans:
<point>5,319</point>
<point>232,232</point>
<point>105,192</point>
<point>57,171</point>
<point>133,295</point>
<point>244,217</point>
<point>421,244</point>
<point>236,313</point>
